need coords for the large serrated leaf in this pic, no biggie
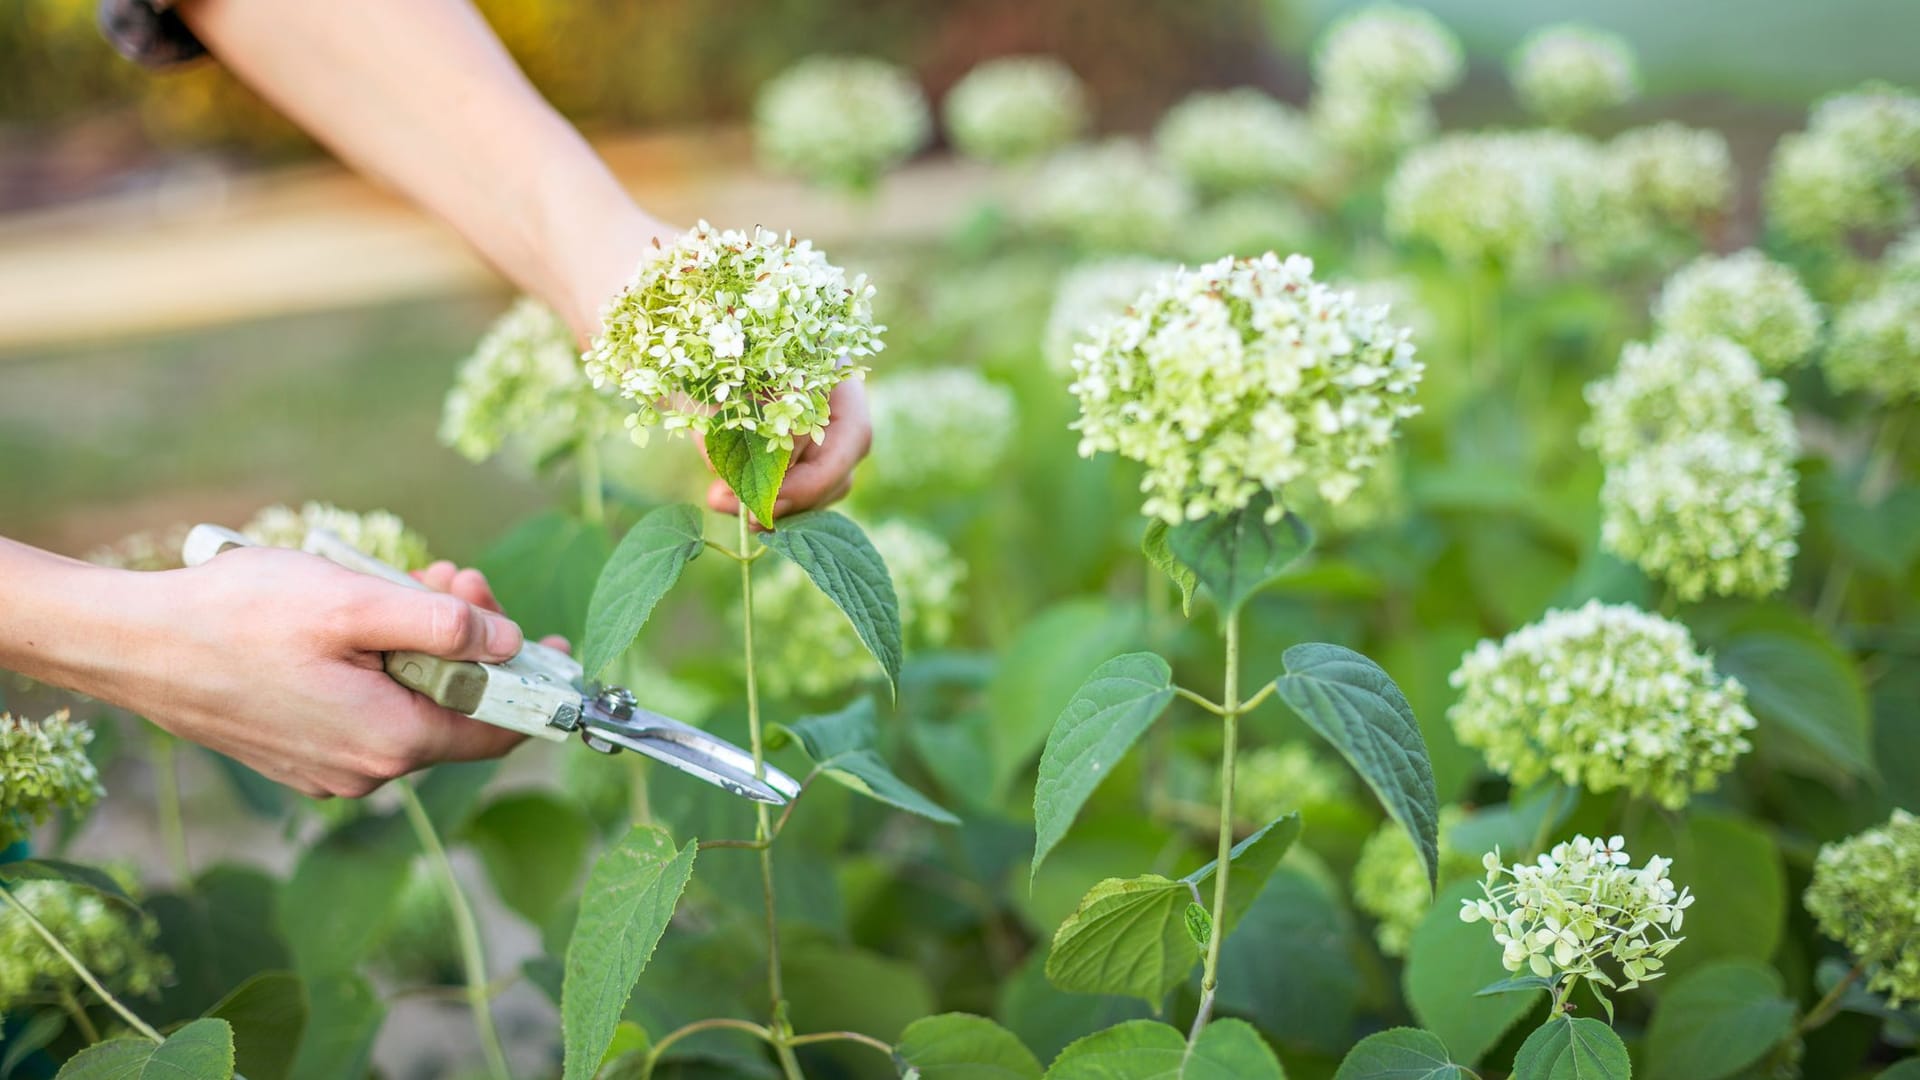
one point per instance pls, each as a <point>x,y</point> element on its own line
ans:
<point>1572,1048</point>
<point>1235,554</point>
<point>645,565</point>
<point>1716,1021</point>
<point>752,466</point>
<point>1118,702</point>
<point>629,898</point>
<point>842,745</point>
<point>1355,705</point>
<point>1159,551</point>
<point>960,1046</point>
<point>1400,1054</point>
<point>203,1050</point>
<point>268,1014</point>
<point>844,565</point>
<point>1150,1050</point>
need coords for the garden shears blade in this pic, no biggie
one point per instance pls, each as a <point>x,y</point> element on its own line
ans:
<point>541,692</point>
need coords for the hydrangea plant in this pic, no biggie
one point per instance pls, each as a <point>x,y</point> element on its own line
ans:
<point>1238,140</point>
<point>1876,345</point>
<point>841,120</point>
<point>1091,293</point>
<point>524,384</point>
<point>1679,385</point>
<point>940,430</point>
<point>1746,298</point>
<point>104,938</point>
<point>1014,108</point>
<point>1109,196</point>
<point>1864,896</point>
<point>1388,50</point>
<point>1565,72</point>
<point>44,768</point>
<point>1390,884</point>
<point>377,532</point>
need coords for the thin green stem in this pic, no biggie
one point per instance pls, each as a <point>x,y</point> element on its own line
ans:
<point>1230,723</point>
<point>80,969</point>
<point>1824,1009</point>
<point>842,1036</point>
<point>471,956</point>
<point>1199,700</point>
<point>593,505</point>
<point>1563,995</point>
<point>659,1049</point>
<point>1253,702</point>
<point>166,795</point>
<point>78,1014</point>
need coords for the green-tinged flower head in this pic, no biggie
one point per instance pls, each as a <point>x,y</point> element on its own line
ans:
<point>1016,107</point>
<point>1901,262</point>
<point>1851,171</point>
<point>116,946</point>
<point>524,384</point>
<point>44,768</point>
<point>1390,882</point>
<point>939,430</point>
<point>1368,127</point>
<point>1678,386</point>
<point>151,549</point>
<point>840,120</point>
<point>1501,198</point>
<point>1876,345</point>
<point>1243,376</point>
<point>1379,501</point>
<point>1705,513</point>
<point>1747,298</point>
<point>811,650</point>
<point>1238,140</point>
<point>1579,904</point>
<point>1675,175</point>
<point>727,330</point>
<point>1245,224</point>
<point>1866,895</point>
<point>1275,780</point>
<point>1605,697</point>
<point>1565,72</point>
<point>1110,196</point>
<point>1090,294</point>
<point>1387,50</point>
<point>376,533</point>
<point>1877,122</point>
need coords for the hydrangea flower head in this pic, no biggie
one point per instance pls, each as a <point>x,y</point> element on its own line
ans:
<point>1681,385</point>
<point>1866,895</point>
<point>942,430</point>
<point>1388,50</point>
<point>727,330</point>
<point>1242,376</point>
<point>1676,175</point>
<point>1878,122</point>
<point>1273,780</point>
<point>1876,344</point>
<point>1091,293</point>
<point>1369,127</point>
<point>1578,905</point>
<point>1016,107</point>
<point>524,383</point>
<point>1564,72</point>
<point>1851,171</point>
<point>115,946</point>
<point>152,549</point>
<point>1492,198</point>
<point>1746,298</point>
<point>43,768</point>
<point>376,533</point>
<point>1110,196</point>
<point>1390,882</point>
<point>840,119</point>
<point>1238,140</point>
<point>1604,697</point>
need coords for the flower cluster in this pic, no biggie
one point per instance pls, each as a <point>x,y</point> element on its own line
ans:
<point>1248,223</point>
<point>1387,50</point>
<point>1850,171</point>
<point>1671,175</point>
<point>941,430</point>
<point>1679,385</point>
<point>153,549</point>
<point>1243,376</point>
<point>1579,904</point>
<point>811,649</point>
<point>43,768</point>
<point>1090,294</point>
<point>1866,895</point>
<point>840,119</point>
<point>1273,780</point>
<point>1390,883</point>
<point>524,383</point>
<point>1368,127</point>
<point>1605,697</point>
<point>1109,196</point>
<point>376,533</point>
<point>115,946</point>
<point>1238,140</point>
<point>1015,107</point>
<point>1876,344</point>
<point>1747,298</point>
<point>1493,198</point>
<point>726,330</point>
<point>1564,72</point>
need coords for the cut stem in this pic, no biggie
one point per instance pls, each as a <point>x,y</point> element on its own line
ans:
<point>80,969</point>
<point>1230,723</point>
<point>166,795</point>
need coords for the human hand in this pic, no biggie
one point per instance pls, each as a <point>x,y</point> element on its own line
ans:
<point>822,472</point>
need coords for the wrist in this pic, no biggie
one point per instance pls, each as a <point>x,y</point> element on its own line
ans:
<point>592,241</point>
<point>75,625</point>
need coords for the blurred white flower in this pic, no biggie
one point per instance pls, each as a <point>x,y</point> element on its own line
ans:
<point>1390,882</point>
<point>1752,301</point>
<point>1369,127</point>
<point>940,430</point>
<point>1850,172</point>
<point>1496,198</point>
<point>1564,72</point>
<point>1238,140</point>
<point>1680,386</point>
<point>1387,50</point>
<point>524,384</point>
<point>376,532</point>
<point>1016,107</point>
<point>1110,196</point>
<point>44,768</point>
<point>1091,293</point>
<point>1863,895</point>
<point>1876,344</point>
<point>1676,175</point>
<point>840,119</point>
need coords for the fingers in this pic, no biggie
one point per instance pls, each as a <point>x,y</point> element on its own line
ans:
<point>447,736</point>
<point>469,584</point>
<point>555,641</point>
<point>381,617</point>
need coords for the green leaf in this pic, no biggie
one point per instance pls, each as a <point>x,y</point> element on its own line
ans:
<point>1118,702</point>
<point>1447,962</point>
<point>752,466</point>
<point>841,744</point>
<point>1159,551</point>
<point>1739,882</point>
<point>1716,1021</point>
<point>1905,1070</point>
<point>1150,1050</point>
<point>1884,537</point>
<point>544,572</point>
<point>23,1041</point>
<point>843,563</point>
<point>1519,984</point>
<point>838,987</point>
<point>1569,1048</point>
<point>533,845</point>
<point>1804,690</point>
<point>1199,926</point>
<point>959,1046</point>
<point>645,565</point>
<point>1400,1054</point>
<point>1354,705</point>
<point>1045,664</point>
<point>269,1014</point>
<point>344,1015</point>
<point>1288,965</point>
<point>343,891</point>
<point>85,877</point>
<point>203,1050</point>
<point>1235,554</point>
<point>1129,935</point>
<point>220,931</point>
<point>629,898</point>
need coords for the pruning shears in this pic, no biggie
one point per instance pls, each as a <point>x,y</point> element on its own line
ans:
<point>541,692</point>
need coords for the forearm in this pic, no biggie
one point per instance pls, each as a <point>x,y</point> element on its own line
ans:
<point>421,95</point>
<point>65,622</point>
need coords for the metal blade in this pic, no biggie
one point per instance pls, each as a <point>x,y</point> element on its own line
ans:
<point>687,748</point>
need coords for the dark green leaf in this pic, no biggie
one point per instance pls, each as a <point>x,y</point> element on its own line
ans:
<point>269,1014</point>
<point>1400,1054</point>
<point>544,571</point>
<point>1519,984</point>
<point>1804,689</point>
<point>1568,1048</point>
<point>1047,1019</point>
<point>844,565</point>
<point>957,1046</point>
<point>1159,551</point>
<point>203,1050</point>
<point>842,745</point>
<point>85,877</point>
<point>343,891</point>
<point>343,1016</point>
<point>533,845</point>
<point>219,933</point>
<point>645,565</point>
<point>1883,537</point>
<point>1119,701</point>
<point>1716,1021</point>
<point>752,466</point>
<point>1254,859</point>
<point>1288,966</point>
<point>1047,661</point>
<point>1150,1050</point>
<point>1739,882</point>
<point>1199,926</point>
<point>25,1040</point>
<point>1447,961</point>
<point>838,987</point>
<point>1235,554</point>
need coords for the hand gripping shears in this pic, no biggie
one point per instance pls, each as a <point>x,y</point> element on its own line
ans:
<point>541,692</point>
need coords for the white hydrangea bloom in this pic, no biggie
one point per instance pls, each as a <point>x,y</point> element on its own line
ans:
<point>1111,195</point>
<point>939,430</point>
<point>1677,175</point>
<point>1245,224</point>
<point>1369,127</point>
<point>376,533</point>
<point>44,768</point>
<point>1877,121</point>
<point>1564,72</point>
<point>1679,386</point>
<point>1747,298</point>
<point>1273,780</point>
<point>1388,50</point>
<point>1876,345</point>
<point>1496,197</point>
<point>114,944</point>
<point>524,384</point>
<point>1016,107</point>
<point>730,330</point>
<point>1390,881</point>
<point>1863,895</point>
<point>1606,697</point>
<point>1242,376</point>
<point>1705,513</point>
<point>1238,140</point>
<point>840,119</point>
<point>1579,904</point>
<point>1092,293</point>
<point>1851,171</point>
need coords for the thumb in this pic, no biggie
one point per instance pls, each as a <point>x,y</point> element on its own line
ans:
<point>389,618</point>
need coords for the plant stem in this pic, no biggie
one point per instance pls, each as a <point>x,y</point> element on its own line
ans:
<point>842,1036</point>
<point>655,1052</point>
<point>1563,995</point>
<point>166,794</point>
<point>593,506</point>
<point>1824,1009</point>
<point>471,956</point>
<point>1199,700</point>
<point>79,1016</point>
<point>80,969</point>
<point>1230,723</point>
